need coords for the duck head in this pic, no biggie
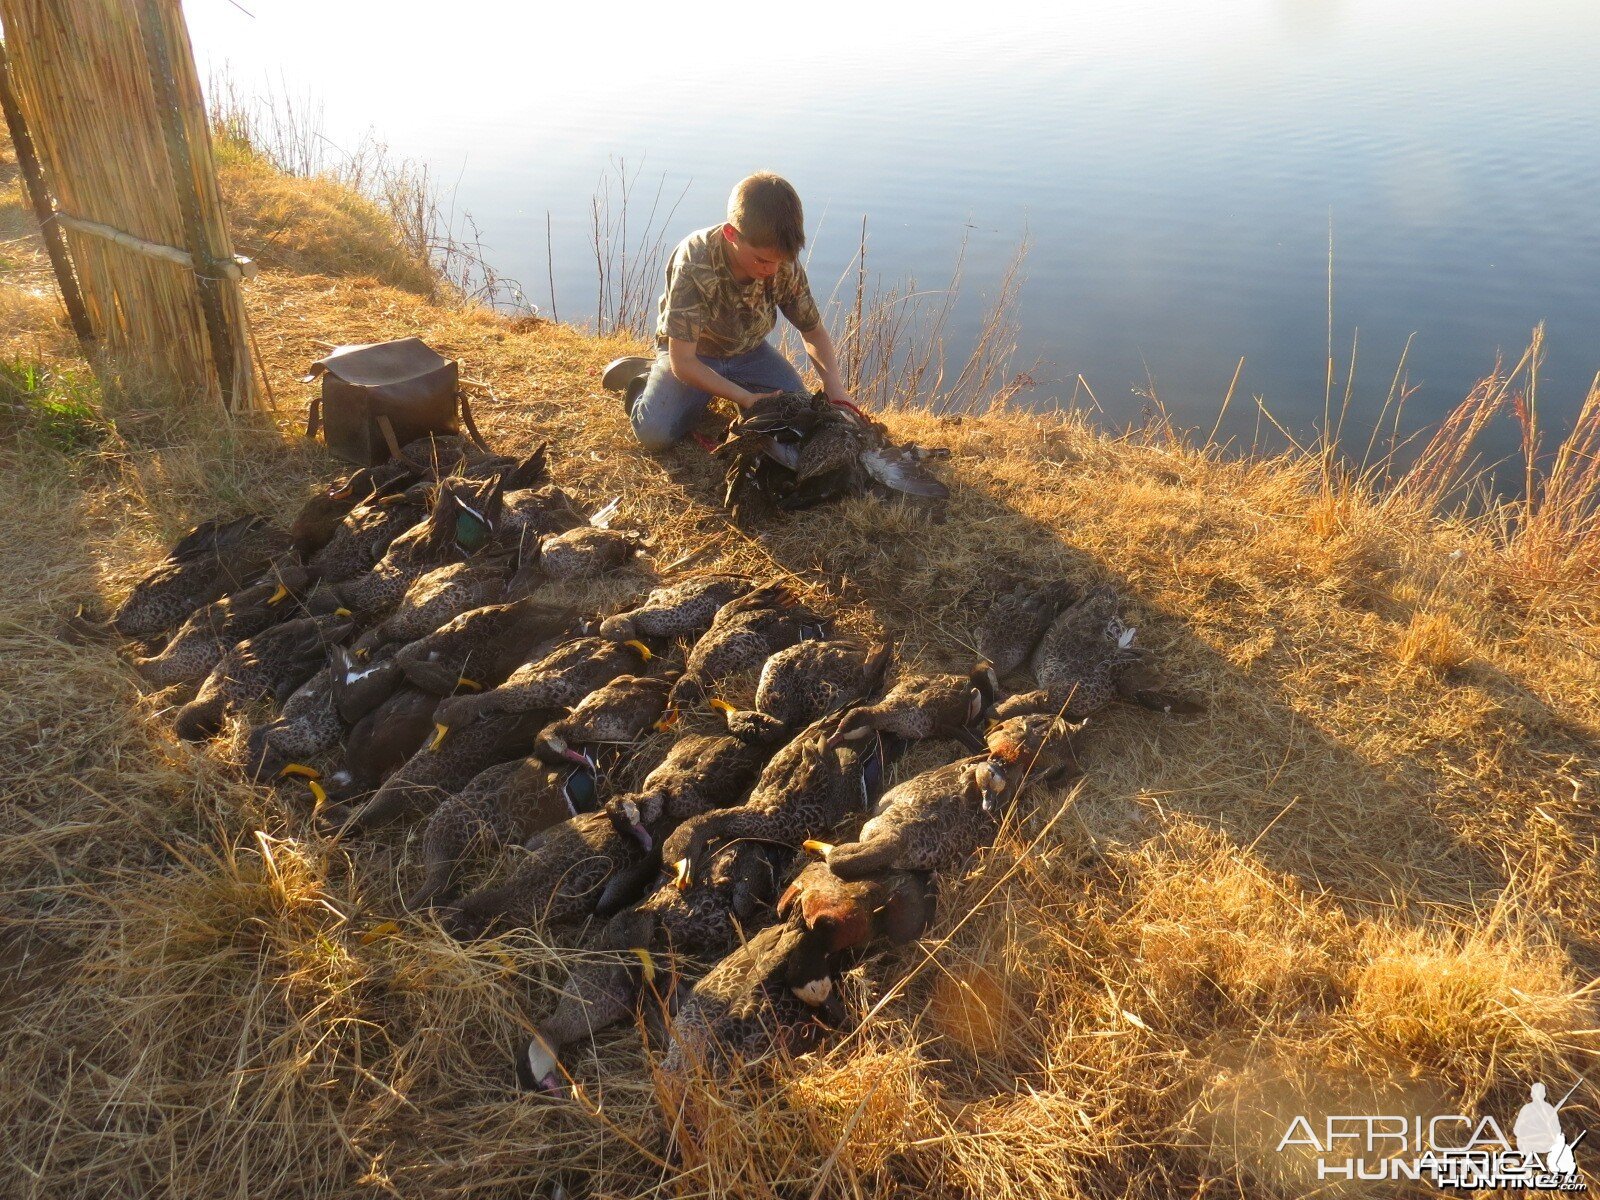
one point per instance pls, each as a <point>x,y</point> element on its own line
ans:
<point>631,816</point>
<point>538,1069</point>
<point>985,688</point>
<point>987,784</point>
<point>619,627</point>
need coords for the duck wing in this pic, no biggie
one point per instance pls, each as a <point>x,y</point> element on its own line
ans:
<point>900,469</point>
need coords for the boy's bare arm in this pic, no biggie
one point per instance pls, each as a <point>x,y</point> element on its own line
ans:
<point>687,368</point>
<point>819,346</point>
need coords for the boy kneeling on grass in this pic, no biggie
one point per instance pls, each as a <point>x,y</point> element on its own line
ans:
<point>725,286</point>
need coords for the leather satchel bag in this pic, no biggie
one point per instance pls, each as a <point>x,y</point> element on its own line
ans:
<point>377,397</point>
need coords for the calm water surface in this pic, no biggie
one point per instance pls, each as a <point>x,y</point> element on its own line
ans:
<point>1175,166</point>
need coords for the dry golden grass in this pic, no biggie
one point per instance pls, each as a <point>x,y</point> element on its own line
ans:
<point>1367,874</point>
<point>313,225</point>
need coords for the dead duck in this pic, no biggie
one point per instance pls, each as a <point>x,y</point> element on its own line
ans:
<point>217,627</point>
<point>617,713</point>
<point>707,918</point>
<point>480,648</point>
<point>931,822</point>
<point>363,680</point>
<point>319,517</point>
<point>383,741</point>
<point>704,924</point>
<point>927,706</point>
<point>460,522</point>
<point>743,635</point>
<point>430,776</point>
<point>308,725</point>
<point>801,450</point>
<point>806,681</point>
<point>749,1005</point>
<point>603,989</point>
<point>365,534</point>
<point>586,552</point>
<point>807,789</point>
<point>699,773</point>
<point>682,609</point>
<point>1085,661</point>
<point>534,513</point>
<point>557,681</point>
<point>892,908</point>
<point>572,870</point>
<point>515,474</point>
<point>444,593</point>
<point>500,806</point>
<point>273,664</point>
<point>1015,618</point>
<point>210,561</point>
<point>1038,744</point>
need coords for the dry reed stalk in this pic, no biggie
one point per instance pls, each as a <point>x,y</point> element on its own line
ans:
<point>86,91</point>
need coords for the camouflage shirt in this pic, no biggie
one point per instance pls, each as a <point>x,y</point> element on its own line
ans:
<point>704,304</point>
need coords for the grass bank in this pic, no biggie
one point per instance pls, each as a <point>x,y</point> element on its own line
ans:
<point>1365,880</point>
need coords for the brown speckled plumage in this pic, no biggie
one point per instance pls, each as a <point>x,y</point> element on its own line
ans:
<point>1016,618</point>
<point>583,553</point>
<point>427,544</point>
<point>808,680</point>
<point>531,514</point>
<point>500,806</point>
<point>682,609</point>
<point>558,680</point>
<point>444,593</point>
<point>699,773</point>
<point>1079,661</point>
<point>571,870</point>
<point>307,726</point>
<point>270,665</point>
<point>617,713</point>
<point>745,633</point>
<point>926,706</point>
<point>931,822</point>
<point>804,792</point>
<point>430,776</point>
<point>215,628</point>
<point>211,560</point>
<point>745,1008</point>
<point>485,645</point>
<point>364,537</point>
<point>319,517</point>
<point>706,920</point>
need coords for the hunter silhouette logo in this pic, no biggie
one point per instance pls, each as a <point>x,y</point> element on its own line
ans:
<point>1538,1132</point>
<point>1449,1150</point>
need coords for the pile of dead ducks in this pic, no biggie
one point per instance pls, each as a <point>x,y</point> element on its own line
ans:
<point>732,860</point>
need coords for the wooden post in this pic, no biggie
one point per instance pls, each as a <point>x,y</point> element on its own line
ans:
<point>55,244</point>
<point>154,28</point>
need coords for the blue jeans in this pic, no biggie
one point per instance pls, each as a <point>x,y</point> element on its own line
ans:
<point>668,408</point>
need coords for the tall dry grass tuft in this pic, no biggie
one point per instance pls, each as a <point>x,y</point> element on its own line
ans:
<point>893,341</point>
<point>300,202</point>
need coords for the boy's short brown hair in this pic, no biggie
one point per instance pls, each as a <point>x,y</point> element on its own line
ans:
<point>765,209</point>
